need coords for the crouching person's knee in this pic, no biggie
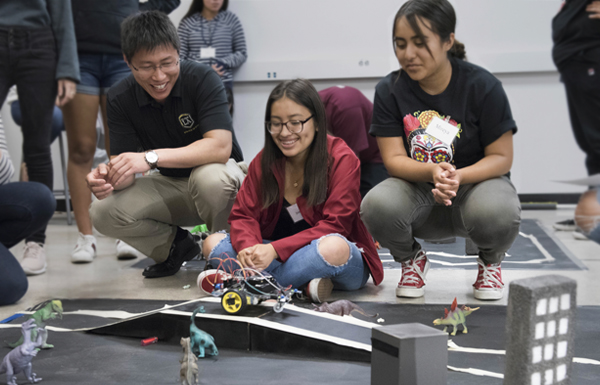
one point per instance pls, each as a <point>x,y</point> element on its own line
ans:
<point>103,217</point>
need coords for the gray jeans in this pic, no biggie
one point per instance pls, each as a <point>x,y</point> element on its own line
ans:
<point>489,213</point>
<point>147,213</point>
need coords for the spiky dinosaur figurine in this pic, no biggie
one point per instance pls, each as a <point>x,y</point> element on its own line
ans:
<point>19,359</point>
<point>51,310</point>
<point>455,317</point>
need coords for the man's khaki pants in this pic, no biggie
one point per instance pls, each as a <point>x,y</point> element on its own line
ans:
<point>147,213</point>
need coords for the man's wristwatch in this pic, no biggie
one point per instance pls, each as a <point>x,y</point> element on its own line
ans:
<point>151,158</point>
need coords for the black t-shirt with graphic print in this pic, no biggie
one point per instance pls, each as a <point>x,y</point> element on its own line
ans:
<point>474,101</point>
<point>196,105</point>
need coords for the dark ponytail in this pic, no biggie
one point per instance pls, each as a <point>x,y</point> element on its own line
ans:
<point>458,50</point>
<point>440,15</point>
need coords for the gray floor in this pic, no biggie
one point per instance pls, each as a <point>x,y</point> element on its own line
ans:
<point>108,278</point>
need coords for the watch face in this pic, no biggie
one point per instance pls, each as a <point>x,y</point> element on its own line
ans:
<point>151,157</point>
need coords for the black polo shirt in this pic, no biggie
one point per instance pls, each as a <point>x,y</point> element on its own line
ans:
<point>196,105</point>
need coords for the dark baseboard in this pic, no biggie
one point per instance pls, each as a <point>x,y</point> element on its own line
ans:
<point>556,198</point>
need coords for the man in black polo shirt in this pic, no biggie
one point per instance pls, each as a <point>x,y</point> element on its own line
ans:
<point>172,116</point>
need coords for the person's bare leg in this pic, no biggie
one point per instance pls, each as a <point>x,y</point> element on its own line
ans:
<point>80,123</point>
<point>105,121</point>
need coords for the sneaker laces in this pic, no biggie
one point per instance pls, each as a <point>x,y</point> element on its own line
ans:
<point>488,275</point>
<point>82,241</point>
<point>411,272</point>
<point>31,250</point>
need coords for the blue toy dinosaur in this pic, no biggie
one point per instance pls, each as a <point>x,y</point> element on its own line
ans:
<point>455,317</point>
<point>19,359</point>
<point>200,340</point>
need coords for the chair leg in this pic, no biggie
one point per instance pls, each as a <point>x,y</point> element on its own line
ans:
<point>65,182</point>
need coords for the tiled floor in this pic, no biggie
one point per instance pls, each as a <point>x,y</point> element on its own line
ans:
<point>108,278</point>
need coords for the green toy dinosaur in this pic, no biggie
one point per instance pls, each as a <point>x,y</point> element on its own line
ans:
<point>455,317</point>
<point>51,310</point>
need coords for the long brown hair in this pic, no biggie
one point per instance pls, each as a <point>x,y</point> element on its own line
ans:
<point>302,92</point>
<point>198,5</point>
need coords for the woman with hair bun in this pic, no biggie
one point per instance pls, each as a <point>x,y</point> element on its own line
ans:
<point>441,186</point>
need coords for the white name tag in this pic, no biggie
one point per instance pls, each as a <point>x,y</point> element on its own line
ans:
<point>441,130</point>
<point>208,53</point>
<point>294,211</point>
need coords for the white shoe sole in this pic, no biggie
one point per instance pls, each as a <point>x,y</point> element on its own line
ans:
<point>75,259</point>
<point>488,295</point>
<point>410,292</point>
<point>322,287</point>
<point>35,272</point>
<point>580,236</point>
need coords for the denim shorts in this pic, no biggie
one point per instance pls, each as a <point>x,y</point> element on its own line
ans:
<point>99,72</point>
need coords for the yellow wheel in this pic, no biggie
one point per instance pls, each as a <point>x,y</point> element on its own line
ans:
<point>233,302</point>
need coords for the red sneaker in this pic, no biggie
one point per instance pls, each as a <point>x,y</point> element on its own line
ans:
<point>208,278</point>
<point>413,276</point>
<point>489,283</point>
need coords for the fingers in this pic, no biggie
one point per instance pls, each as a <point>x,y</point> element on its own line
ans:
<point>441,198</point>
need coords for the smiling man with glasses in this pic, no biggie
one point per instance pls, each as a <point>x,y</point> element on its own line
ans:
<point>172,116</point>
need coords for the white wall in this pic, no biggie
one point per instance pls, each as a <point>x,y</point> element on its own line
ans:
<point>545,150</point>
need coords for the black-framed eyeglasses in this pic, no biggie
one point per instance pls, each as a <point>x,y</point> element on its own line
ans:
<point>293,126</point>
<point>150,69</point>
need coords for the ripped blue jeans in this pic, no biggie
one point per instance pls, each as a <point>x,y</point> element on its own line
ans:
<point>304,265</point>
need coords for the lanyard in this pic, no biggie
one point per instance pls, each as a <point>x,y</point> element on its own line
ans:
<point>211,32</point>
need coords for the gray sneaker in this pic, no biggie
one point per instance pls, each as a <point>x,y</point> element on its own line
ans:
<point>34,259</point>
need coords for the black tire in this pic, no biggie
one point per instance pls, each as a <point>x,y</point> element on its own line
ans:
<point>233,301</point>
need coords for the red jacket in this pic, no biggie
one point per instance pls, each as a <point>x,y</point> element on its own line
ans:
<point>250,223</point>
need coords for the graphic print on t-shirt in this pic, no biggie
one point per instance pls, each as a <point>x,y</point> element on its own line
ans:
<point>423,147</point>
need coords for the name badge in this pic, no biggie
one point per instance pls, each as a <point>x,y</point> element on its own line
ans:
<point>441,130</point>
<point>294,211</point>
<point>208,53</point>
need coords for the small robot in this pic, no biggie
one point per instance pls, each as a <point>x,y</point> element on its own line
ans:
<point>248,286</point>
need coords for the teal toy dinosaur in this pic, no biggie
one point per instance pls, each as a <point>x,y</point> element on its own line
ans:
<point>200,341</point>
<point>51,310</point>
<point>455,317</point>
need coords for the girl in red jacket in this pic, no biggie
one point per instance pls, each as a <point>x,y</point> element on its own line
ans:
<point>296,215</point>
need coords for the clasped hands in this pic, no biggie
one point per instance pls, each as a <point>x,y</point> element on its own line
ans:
<point>446,181</point>
<point>117,173</point>
<point>257,257</point>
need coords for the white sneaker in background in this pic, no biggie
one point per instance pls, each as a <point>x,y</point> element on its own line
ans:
<point>126,251</point>
<point>85,249</point>
<point>580,235</point>
<point>34,259</point>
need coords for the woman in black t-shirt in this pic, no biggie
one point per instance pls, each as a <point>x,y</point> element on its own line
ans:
<point>441,186</point>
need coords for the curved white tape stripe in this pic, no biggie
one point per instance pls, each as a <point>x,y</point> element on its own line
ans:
<point>452,347</point>
<point>346,319</point>
<point>476,372</point>
<point>542,249</point>
<point>278,326</point>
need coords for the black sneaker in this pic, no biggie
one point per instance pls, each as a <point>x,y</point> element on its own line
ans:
<point>566,225</point>
<point>181,251</point>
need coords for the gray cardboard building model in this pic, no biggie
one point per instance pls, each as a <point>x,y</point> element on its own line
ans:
<point>409,354</point>
<point>539,329</point>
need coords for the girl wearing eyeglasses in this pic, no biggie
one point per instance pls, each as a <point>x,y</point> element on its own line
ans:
<point>302,195</point>
<point>440,188</point>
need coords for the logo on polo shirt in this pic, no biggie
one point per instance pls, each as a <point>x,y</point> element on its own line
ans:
<point>186,121</point>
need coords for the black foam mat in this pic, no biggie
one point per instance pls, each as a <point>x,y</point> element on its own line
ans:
<point>258,354</point>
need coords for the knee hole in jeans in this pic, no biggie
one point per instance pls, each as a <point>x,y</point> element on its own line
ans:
<point>210,242</point>
<point>334,249</point>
